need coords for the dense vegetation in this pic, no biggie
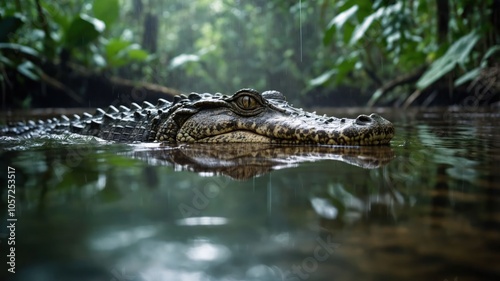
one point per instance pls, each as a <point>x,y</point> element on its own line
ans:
<point>77,52</point>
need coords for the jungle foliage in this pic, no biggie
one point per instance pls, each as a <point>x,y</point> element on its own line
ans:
<point>301,47</point>
<point>428,41</point>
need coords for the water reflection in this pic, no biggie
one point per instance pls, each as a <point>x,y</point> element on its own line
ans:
<point>192,221</point>
<point>164,260</point>
<point>204,250</point>
<point>114,239</point>
<point>247,160</point>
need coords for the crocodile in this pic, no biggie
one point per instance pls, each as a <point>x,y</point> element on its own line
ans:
<point>246,116</point>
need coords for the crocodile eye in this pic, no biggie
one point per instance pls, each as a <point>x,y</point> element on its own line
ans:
<point>247,102</point>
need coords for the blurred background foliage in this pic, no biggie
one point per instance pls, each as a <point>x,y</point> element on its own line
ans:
<point>347,52</point>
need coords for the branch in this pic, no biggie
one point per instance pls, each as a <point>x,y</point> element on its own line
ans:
<point>402,80</point>
<point>60,86</point>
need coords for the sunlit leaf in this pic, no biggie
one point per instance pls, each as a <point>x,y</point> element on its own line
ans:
<point>82,31</point>
<point>183,59</point>
<point>138,54</point>
<point>29,70</point>
<point>437,70</point>
<point>19,48</point>
<point>460,50</point>
<point>457,53</point>
<point>121,52</point>
<point>360,30</point>
<point>106,10</point>
<point>323,78</point>
<point>338,22</point>
<point>114,46</point>
<point>343,17</point>
<point>99,60</point>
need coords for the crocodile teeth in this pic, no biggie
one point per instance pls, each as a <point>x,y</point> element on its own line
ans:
<point>136,106</point>
<point>99,112</point>
<point>147,104</point>
<point>87,115</point>
<point>112,109</point>
<point>162,103</point>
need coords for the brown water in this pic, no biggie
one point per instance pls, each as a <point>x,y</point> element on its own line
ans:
<point>427,208</point>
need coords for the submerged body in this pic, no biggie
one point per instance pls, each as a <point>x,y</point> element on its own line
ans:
<point>246,116</point>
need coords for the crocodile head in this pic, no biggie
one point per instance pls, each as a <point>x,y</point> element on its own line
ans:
<point>249,116</point>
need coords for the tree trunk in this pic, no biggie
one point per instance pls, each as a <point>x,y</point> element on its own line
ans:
<point>138,9</point>
<point>150,38</point>
<point>495,21</point>
<point>443,19</point>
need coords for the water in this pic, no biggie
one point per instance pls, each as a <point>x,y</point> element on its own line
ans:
<point>426,208</point>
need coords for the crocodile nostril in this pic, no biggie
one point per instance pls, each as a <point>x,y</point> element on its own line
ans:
<point>363,120</point>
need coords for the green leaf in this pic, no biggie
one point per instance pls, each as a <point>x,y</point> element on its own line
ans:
<point>343,17</point>
<point>183,59</point>
<point>5,60</point>
<point>106,10</point>
<point>360,30</point>
<point>57,15</point>
<point>323,78</point>
<point>437,70</point>
<point>471,75</point>
<point>121,52</point>
<point>19,48</point>
<point>114,46</point>
<point>347,31</point>
<point>138,55</point>
<point>375,97</point>
<point>29,70</point>
<point>489,53</point>
<point>457,53</point>
<point>82,31</point>
<point>338,22</point>
<point>460,50</point>
<point>9,25</point>
<point>345,65</point>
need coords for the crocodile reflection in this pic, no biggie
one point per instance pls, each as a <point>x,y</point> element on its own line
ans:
<point>246,160</point>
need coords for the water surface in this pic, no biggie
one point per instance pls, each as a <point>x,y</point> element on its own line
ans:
<point>425,208</point>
